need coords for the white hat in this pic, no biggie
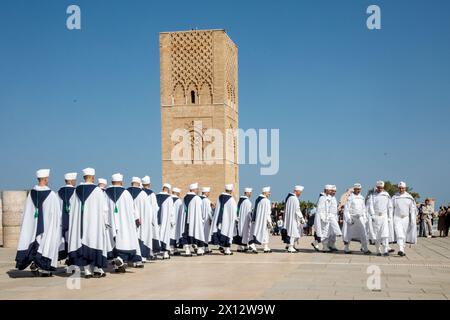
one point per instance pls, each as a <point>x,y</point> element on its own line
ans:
<point>401,184</point>
<point>136,179</point>
<point>357,186</point>
<point>88,172</point>
<point>117,177</point>
<point>380,184</point>
<point>177,190</point>
<point>328,187</point>
<point>146,180</point>
<point>206,189</point>
<point>248,190</point>
<point>229,187</point>
<point>193,186</point>
<point>102,181</point>
<point>333,187</point>
<point>43,173</point>
<point>266,189</point>
<point>299,188</point>
<point>168,186</point>
<point>70,176</point>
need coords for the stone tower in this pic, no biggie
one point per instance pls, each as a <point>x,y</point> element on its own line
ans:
<point>199,92</point>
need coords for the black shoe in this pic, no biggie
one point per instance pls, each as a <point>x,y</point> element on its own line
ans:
<point>378,254</point>
<point>401,254</point>
<point>268,251</point>
<point>120,270</point>
<point>391,250</point>
<point>89,276</point>
<point>347,252</point>
<point>315,248</point>
<point>253,251</point>
<point>99,274</point>
<point>386,254</point>
<point>368,252</point>
<point>333,249</point>
<point>45,275</point>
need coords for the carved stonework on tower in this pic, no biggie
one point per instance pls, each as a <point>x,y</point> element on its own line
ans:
<point>199,92</point>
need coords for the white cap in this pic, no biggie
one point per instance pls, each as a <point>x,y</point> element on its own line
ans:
<point>146,180</point>
<point>248,190</point>
<point>88,172</point>
<point>206,189</point>
<point>70,176</point>
<point>43,173</point>
<point>102,181</point>
<point>299,188</point>
<point>193,186</point>
<point>333,187</point>
<point>402,184</point>
<point>357,186</point>
<point>177,190</point>
<point>136,180</point>
<point>380,184</point>
<point>117,177</point>
<point>168,186</point>
<point>229,187</point>
<point>328,187</point>
<point>266,189</point>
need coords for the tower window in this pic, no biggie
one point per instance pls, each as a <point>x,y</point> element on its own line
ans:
<point>193,97</point>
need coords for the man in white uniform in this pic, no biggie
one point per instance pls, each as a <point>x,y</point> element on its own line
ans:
<point>66,194</point>
<point>379,209</point>
<point>166,218</point>
<point>102,183</point>
<point>207,213</point>
<point>405,215</point>
<point>177,206</point>
<point>334,218</point>
<point>244,208</point>
<point>224,221</point>
<point>261,222</point>
<point>40,233</point>
<point>156,246</point>
<point>355,220</point>
<point>293,219</point>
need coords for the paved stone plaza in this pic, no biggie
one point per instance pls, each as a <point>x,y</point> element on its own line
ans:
<point>423,274</point>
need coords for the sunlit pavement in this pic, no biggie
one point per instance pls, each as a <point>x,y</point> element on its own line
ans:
<point>423,274</point>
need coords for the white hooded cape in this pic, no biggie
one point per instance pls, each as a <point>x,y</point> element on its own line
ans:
<point>405,215</point>
<point>207,215</point>
<point>122,219</point>
<point>261,221</point>
<point>40,233</point>
<point>325,219</point>
<point>166,218</point>
<point>65,195</point>
<point>224,221</point>
<point>292,219</point>
<point>192,227</point>
<point>87,227</point>
<point>242,234</point>
<point>355,219</point>
<point>379,209</point>
<point>177,211</point>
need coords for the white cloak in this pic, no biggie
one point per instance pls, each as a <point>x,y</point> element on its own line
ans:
<point>355,219</point>
<point>405,215</point>
<point>379,209</point>
<point>192,226</point>
<point>261,221</point>
<point>87,230</point>
<point>224,221</point>
<point>292,219</point>
<point>40,233</point>
<point>242,236</point>
<point>166,218</point>
<point>144,213</point>
<point>177,211</point>
<point>207,215</point>
<point>65,195</point>
<point>122,219</point>
<point>325,219</point>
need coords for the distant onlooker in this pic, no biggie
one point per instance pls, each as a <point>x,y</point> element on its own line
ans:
<point>278,226</point>
<point>447,221</point>
<point>427,218</point>
<point>441,220</point>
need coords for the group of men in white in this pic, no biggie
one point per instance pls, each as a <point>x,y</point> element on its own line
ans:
<point>93,224</point>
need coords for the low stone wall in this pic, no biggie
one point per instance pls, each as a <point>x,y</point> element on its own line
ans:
<point>13,203</point>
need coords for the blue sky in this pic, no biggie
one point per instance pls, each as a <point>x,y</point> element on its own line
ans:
<point>352,105</point>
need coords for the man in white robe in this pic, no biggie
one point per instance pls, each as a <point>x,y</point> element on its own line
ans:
<point>122,219</point>
<point>207,213</point>
<point>102,183</point>
<point>325,221</point>
<point>355,221</point>
<point>40,233</point>
<point>166,218</point>
<point>143,216</point>
<point>66,194</point>
<point>261,222</point>
<point>293,219</point>
<point>405,215</point>
<point>156,246</point>
<point>191,223</point>
<point>224,221</point>
<point>379,209</point>
<point>243,228</point>
<point>87,227</point>
<point>177,210</point>
<point>335,231</point>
